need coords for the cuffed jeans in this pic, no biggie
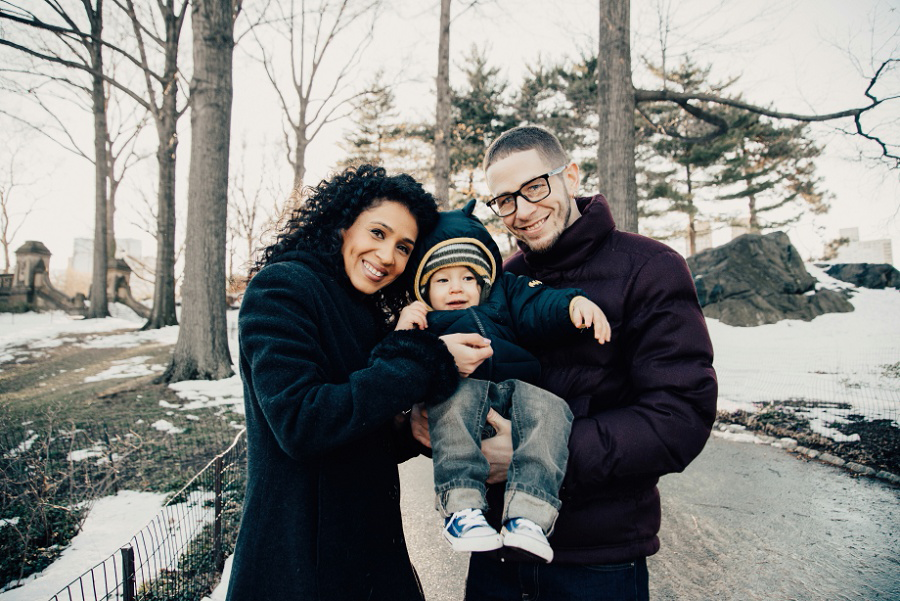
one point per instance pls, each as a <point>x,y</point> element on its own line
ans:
<point>493,580</point>
<point>541,422</point>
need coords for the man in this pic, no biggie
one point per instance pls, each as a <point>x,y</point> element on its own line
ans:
<point>643,403</point>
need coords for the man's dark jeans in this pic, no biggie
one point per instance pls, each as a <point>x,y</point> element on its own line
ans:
<point>493,580</point>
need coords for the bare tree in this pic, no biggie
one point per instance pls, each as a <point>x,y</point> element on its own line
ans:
<point>201,351</point>
<point>617,99</point>
<point>247,212</point>
<point>10,220</point>
<point>79,47</point>
<point>54,96</point>
<point>161,101</point>
<point>152,34</point>
<point>321,86</point>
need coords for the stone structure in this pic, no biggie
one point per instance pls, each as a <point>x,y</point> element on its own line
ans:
<point>118,287</point>
<point>759,279</point>
<point>30,289</point>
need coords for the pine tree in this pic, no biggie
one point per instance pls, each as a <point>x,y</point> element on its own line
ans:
<point>679,156</point>
<point>772,168</point>
<point>479,115</point>
<point>380,137</point>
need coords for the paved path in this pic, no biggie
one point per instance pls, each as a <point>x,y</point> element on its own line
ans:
<point>744,522</point>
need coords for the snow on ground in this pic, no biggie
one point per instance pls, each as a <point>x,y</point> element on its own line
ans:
<point>837,361</point>
<point>127,368</point>
<point>164,425</point>
<point>110,524</point>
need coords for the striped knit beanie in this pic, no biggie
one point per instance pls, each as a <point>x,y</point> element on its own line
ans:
<point>454,254</point>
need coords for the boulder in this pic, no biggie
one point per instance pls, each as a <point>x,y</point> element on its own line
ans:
<point>758,279</point>
<point>866,275</point>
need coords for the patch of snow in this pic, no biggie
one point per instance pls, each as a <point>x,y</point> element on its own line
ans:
<point>111,523</point>
<point>24,446</point>
<point>40,330</point>
<point>9,522</point>
<point>98,450</point>
<point>737,436</point>
<point>834,364</point>
<point>127,368</point>
<point>167,335</point>
<point>203,394</point>
<point>164,425</point>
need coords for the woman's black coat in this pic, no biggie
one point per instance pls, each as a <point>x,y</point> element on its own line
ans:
<point>322,509</point>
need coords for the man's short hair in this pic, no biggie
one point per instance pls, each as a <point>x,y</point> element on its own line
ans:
<point>523,138</point>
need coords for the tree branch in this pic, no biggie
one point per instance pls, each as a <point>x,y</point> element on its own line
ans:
<point>682,98</point>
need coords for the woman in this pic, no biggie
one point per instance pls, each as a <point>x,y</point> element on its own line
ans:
<point>322,510</point>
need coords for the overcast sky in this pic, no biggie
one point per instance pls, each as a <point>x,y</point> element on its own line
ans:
<point>805,56</point>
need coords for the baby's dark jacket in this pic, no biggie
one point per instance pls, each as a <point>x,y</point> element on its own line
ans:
<point>518,311</point>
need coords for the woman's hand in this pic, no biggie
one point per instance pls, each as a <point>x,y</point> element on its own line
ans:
<point>585,313</point>
<point>468,350</point>
<point>413,315</point>
<point>418,422</point>
<point>498,449</point>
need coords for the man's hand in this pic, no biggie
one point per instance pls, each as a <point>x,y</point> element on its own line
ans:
<point>468,350</point>
<point>585,313</point>
<point>418,422</point>
<point>498,449</point>
<point>414,315</point>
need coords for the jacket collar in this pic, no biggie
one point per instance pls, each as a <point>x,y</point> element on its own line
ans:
<point>579,241</point>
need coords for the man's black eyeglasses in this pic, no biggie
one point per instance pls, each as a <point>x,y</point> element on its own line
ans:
<point>533,191</point>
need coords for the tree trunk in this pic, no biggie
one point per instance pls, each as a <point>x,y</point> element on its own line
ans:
<point>99,302</point>
<point>111,216</point>
<point>201,351</point>
<point>166,116</point>
<point>692,223</point>
<point>300,153</point>
<point>753,222</point>
<point>163,312</point>
<point>442,115</point>
<point>615,151</point>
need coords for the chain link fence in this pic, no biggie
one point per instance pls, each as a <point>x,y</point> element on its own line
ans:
<point>179,555</point>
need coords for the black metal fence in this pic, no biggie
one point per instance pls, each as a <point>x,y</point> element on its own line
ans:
<point>179,555</point>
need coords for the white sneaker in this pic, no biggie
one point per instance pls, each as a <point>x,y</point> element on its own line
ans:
<point>467,530</point>
<point>524,535</point>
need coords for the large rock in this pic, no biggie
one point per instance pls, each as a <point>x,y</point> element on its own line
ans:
<point>867,275</point>
<point>756,279</point>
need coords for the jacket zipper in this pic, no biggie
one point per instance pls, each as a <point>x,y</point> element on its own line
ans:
<point>483,333</point>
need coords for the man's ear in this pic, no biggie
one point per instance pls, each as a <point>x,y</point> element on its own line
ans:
<point>572,177</point>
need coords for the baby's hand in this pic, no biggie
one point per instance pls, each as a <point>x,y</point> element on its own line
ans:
<point>585,314</point>
<point>413,315</point>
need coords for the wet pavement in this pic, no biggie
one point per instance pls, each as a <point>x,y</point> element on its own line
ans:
<point>744,522</point>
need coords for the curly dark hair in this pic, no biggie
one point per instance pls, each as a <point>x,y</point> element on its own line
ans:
<point>333,206</point>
